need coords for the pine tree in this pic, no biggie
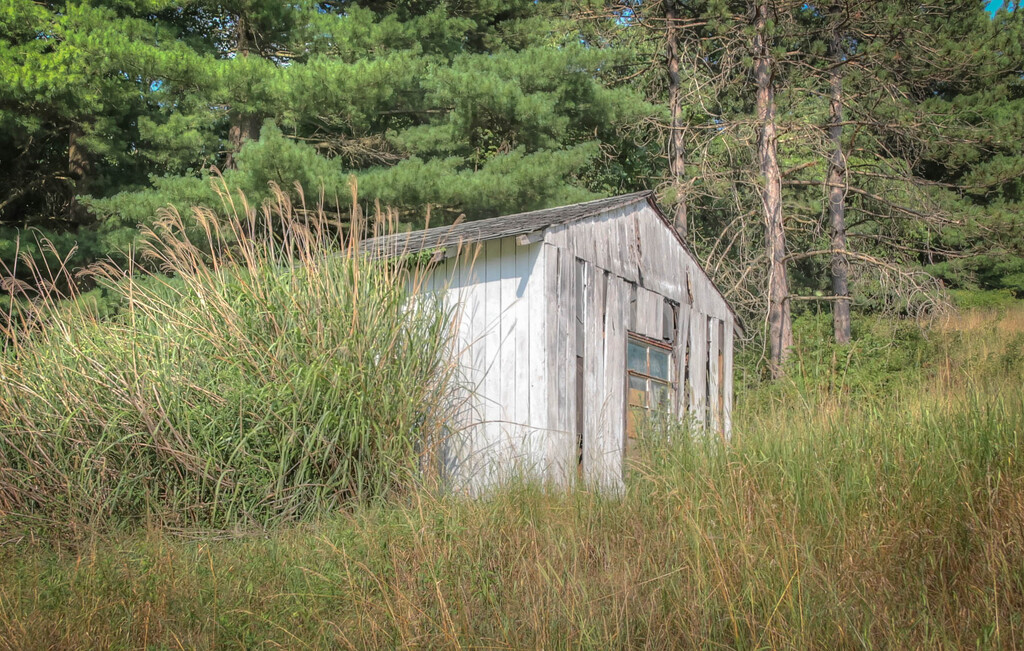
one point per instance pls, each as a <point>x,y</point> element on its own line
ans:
<point>901,157</point>
<point>79,95</point>
<point>977,171</point>
<point>479,109</point>
<point>75,79</point>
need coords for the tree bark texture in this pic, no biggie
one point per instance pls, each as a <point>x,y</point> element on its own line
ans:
<point>676,151</point>
<point>243,126</point>
<point>78,171</point>
<point>780,327</point>
<point>837,194</point>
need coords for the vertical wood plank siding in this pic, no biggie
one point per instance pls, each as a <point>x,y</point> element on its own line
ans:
<point>727,373</point>
<point>649,307</point>
<point>512,385</point>
<point>698,366</point>
<point>471,324</point>
<point>561,338</point>
<point>531,282</point>
<point>491,446</point>
<point>594,391</point>
<point>714,396</point>
<point>681,350</point>
<point>611,435</point>
<point>518,338</point>
<point>634,245</point>
<point>498,291</point>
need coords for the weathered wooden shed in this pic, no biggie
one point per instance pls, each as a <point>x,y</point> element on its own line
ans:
<point>568,321</point>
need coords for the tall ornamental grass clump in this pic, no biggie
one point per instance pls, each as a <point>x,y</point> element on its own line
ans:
<point>261,369</point>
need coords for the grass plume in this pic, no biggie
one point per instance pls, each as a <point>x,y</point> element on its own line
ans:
<point>259,368</point>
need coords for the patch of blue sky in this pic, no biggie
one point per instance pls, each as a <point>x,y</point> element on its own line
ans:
<point>994,5</point>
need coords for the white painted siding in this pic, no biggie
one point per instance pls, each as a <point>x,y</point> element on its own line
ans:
<point>497,289</point>
<point>520,327</point>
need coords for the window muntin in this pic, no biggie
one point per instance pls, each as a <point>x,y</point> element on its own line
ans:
<point>649,378</point>
<point>649,366</point>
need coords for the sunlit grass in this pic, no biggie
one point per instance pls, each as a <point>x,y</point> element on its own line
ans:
<point>234,462</point>
<point>260,369</point>
<point>890,522</point>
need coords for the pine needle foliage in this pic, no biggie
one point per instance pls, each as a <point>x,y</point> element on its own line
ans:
<point>266,370</point>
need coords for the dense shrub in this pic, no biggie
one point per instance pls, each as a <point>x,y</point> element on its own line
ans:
<point>983,299</point>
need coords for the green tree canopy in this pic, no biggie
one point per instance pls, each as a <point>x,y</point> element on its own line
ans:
<point>111,111</point>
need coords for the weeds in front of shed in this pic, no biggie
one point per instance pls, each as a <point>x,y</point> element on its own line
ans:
<point>259,368</point>
<point>897,523</point>
<point>875,532</point>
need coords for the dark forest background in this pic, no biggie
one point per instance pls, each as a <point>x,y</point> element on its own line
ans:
<point>816,156</point>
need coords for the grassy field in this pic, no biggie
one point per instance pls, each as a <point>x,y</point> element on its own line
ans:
<point>874,500</point>
<point>171,476</point>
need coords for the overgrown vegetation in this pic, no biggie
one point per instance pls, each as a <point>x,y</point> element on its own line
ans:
<point>875,498</point>
<point>227,441</point>
<point>911,166</point>
<point>273,373</point>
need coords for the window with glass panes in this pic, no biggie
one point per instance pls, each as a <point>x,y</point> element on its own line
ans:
<point>649,376</point>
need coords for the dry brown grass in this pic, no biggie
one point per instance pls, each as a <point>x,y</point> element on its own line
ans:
<point>895,522</point>
<point>261,370</point>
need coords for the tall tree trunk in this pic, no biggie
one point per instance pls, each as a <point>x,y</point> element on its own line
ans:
<point>243,125</point>
<point>837,191</point>
<point>780,327</point>
<point>676,152</point>
<point>243,129</point>
<point>78,171</point>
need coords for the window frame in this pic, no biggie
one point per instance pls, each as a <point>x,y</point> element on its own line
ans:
<point>669,382</point>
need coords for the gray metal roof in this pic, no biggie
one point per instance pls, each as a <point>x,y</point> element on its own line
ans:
<point>494,228</point>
